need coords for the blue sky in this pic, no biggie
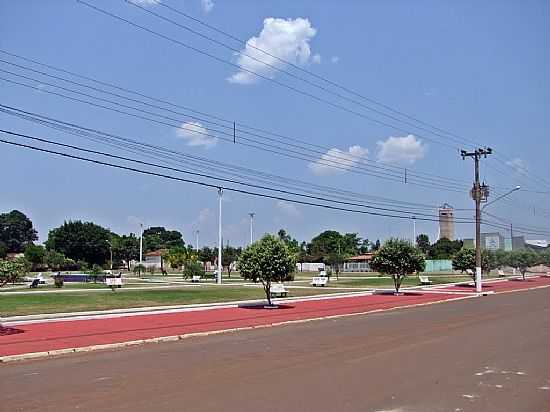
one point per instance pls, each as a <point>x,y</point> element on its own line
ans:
<point>478,69</point>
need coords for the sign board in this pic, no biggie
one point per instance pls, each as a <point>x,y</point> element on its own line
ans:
<point>492,243</point>
<point>113,281</point>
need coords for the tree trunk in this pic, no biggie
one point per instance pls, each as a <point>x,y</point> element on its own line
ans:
<point>267,289</point>
<point>523,274</point>
<point>397,279</point>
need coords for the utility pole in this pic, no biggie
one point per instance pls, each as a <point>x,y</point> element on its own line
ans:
<point>220,267</point>
<point>511,236</point>
<point>197,239</point>
<point>479,193</point>
<point>251,214</point>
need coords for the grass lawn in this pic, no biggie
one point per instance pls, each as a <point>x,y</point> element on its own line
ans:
<point>11,305</point>
<point>388,282</point>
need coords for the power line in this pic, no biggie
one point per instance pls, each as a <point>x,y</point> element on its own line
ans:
<point>216,186</point>
<point>275,149</point>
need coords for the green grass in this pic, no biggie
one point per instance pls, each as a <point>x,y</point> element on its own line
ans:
<point>11,305</point>
<point>388,282</point>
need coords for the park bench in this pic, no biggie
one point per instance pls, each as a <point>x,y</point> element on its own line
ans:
<point>319,281</point>
<point>34,284</point>
<point>196,279</point>
<point>424,280</point>
<point>278,290</point>
<point>500,273</point>
<point>470,272</point>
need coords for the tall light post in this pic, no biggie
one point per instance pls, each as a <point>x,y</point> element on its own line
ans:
<point>219,274</point>
<point>197,239</point>
<point>251,214</point>
<point>111,251</point>
<point>414,230</point>
<point>141,244</point>
<point>511,225</point>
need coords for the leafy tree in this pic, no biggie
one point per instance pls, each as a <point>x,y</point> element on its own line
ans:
<point>54,260</point>
<point>331,242</point>
<point>267,260</point>
<point>230,255</point>
<point>12,270</point>
<point>291,243</point>
<point>207,254</point>
<point>423,243</point>
<point>303,255</point>
<point>445,248</point>
<point>81,241</point>
<point>376,246</point>
<point>193,268</point>
<point>16,231</point>
<point>155,238</point>
<point>502,258</point>
<point>35,254</point>
<point>365,246</point>
<point>523,259</point>
<point>398,258</point>
<point>125,248</point>
<point>465,259</point>
<point>177,256</point>
<point>139,269</point>
<point>3,250</point>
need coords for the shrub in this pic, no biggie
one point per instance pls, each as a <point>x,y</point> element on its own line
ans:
<point>193,268</point>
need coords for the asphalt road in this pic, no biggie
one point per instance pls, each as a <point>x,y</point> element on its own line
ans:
<point>486,354</point>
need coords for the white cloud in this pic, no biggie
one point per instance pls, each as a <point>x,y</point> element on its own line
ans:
<point>337,161</point>
<point>207,5</point>
<point>287,39</point>
<point>316,58</point>
<point>334,59</point>
<point>195,134</point>
<point>288,208</point>
<point>401,150</point>
<point>518,165</point>
<point>145,3</point>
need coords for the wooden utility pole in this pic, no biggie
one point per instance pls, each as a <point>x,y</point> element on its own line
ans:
<point>479,193</point>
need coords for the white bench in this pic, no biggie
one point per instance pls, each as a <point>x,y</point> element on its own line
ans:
<point>319,281</point>
<point>113,282</point>
<point>278,290</point>
<point>501,273</point>
<point>424,280</point>
<point>470,272</point>
<point>195,279</point>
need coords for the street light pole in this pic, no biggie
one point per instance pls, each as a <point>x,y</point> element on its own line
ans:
<point>219,274</point>
<point>251,226</point>
<point>141,244</point>
<point>197,240</point>
<point>414,230</point>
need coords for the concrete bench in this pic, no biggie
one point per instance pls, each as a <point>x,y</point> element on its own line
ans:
<point>278,290</point>
<point>424,280</point>
<point>501,273</point>
<point>196,279</point>
<point>319,281</point>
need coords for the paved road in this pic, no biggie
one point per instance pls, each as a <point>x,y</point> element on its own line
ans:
<point>485,354</point>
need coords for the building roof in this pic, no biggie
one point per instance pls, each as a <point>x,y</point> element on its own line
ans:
<point>363,257</point>
<point>159,252</point>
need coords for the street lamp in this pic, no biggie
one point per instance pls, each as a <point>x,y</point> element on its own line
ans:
<point>111,250</point>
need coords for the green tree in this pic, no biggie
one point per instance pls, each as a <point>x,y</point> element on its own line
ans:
<point>230,255</point>
<point>267,260</point>
<point>35,254</point>
<point>192,268</point>
<point>465,261</point>
<point>502,258</point>
<point>3,250</point>
<point>398,258</point>
<point>12,270</point>
<point>331,242</point>
<point>155,238</point>
<point>79,240</point>
<point>125,249</point>
<point>177,257</point>
<point>423,243</point>
<point>376,245</point>
<point>365,246</point>
<point>54,260</point>
<point>16,231</point>
<point>523,259</point>
<point>445,248</point>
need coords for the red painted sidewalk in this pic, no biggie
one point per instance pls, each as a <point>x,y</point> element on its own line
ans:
<point>40,337</point>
